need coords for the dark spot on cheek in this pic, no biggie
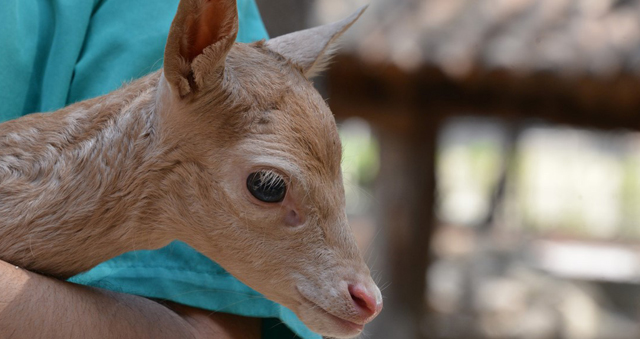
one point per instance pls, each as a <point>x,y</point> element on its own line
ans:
<point>294,218</point>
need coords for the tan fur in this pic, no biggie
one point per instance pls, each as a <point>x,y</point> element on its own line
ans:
<point>167,157</point>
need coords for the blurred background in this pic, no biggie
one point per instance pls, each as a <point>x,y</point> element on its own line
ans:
<point>491,161</point>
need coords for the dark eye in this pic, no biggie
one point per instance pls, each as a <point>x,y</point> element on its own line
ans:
<point>267,186</point>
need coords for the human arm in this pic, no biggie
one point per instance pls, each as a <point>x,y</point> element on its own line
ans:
<point>35,306</point>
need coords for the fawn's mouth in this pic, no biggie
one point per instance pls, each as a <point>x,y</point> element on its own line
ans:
<point>345,325</point>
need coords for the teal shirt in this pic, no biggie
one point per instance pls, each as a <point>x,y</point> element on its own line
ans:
<point>57,52</point>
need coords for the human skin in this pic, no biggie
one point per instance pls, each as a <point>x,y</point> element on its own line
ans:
<point>36,306</point>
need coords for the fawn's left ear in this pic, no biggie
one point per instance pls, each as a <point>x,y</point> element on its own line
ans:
<point>311,49</point>
<point>201,35</point>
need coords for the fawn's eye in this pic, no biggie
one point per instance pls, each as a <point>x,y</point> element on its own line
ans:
<point>267,186</point>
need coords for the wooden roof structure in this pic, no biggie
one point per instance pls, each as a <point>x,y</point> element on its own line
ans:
<point>550,59</point>
<point>595,37</point>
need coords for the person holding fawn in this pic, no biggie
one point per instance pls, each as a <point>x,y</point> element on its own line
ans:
<point>228,149</point>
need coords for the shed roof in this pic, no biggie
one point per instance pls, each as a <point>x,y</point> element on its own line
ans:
<point>573,37</point>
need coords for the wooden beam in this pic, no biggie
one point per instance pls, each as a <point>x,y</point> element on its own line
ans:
<point>603,103</point>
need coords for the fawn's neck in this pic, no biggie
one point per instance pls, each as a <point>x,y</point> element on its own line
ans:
<point>77,185</point>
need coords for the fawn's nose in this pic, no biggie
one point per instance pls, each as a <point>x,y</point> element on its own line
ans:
<point>368,301</point>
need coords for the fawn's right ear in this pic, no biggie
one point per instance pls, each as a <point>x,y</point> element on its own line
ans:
<point>201,35</point>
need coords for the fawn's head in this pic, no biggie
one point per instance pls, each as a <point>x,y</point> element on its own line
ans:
<point>258,186</point>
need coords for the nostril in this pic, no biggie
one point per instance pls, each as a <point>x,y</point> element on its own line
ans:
<point>365,300</point>
<point>359,301</point>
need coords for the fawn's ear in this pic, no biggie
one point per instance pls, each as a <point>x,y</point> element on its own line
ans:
<point>311,48</point>
<point>201,35</point>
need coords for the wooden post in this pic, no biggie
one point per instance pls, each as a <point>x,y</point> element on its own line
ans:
<point>407,131</point>
<point>406,195</point>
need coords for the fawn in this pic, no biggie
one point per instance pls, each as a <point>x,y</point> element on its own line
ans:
<point>229,148</point>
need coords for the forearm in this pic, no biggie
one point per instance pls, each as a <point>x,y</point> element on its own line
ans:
<point>34,306</point>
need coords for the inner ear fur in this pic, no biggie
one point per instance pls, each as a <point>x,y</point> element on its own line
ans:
<point>201,35</point>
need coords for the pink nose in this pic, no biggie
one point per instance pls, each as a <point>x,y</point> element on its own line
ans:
<point>369,303</point>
